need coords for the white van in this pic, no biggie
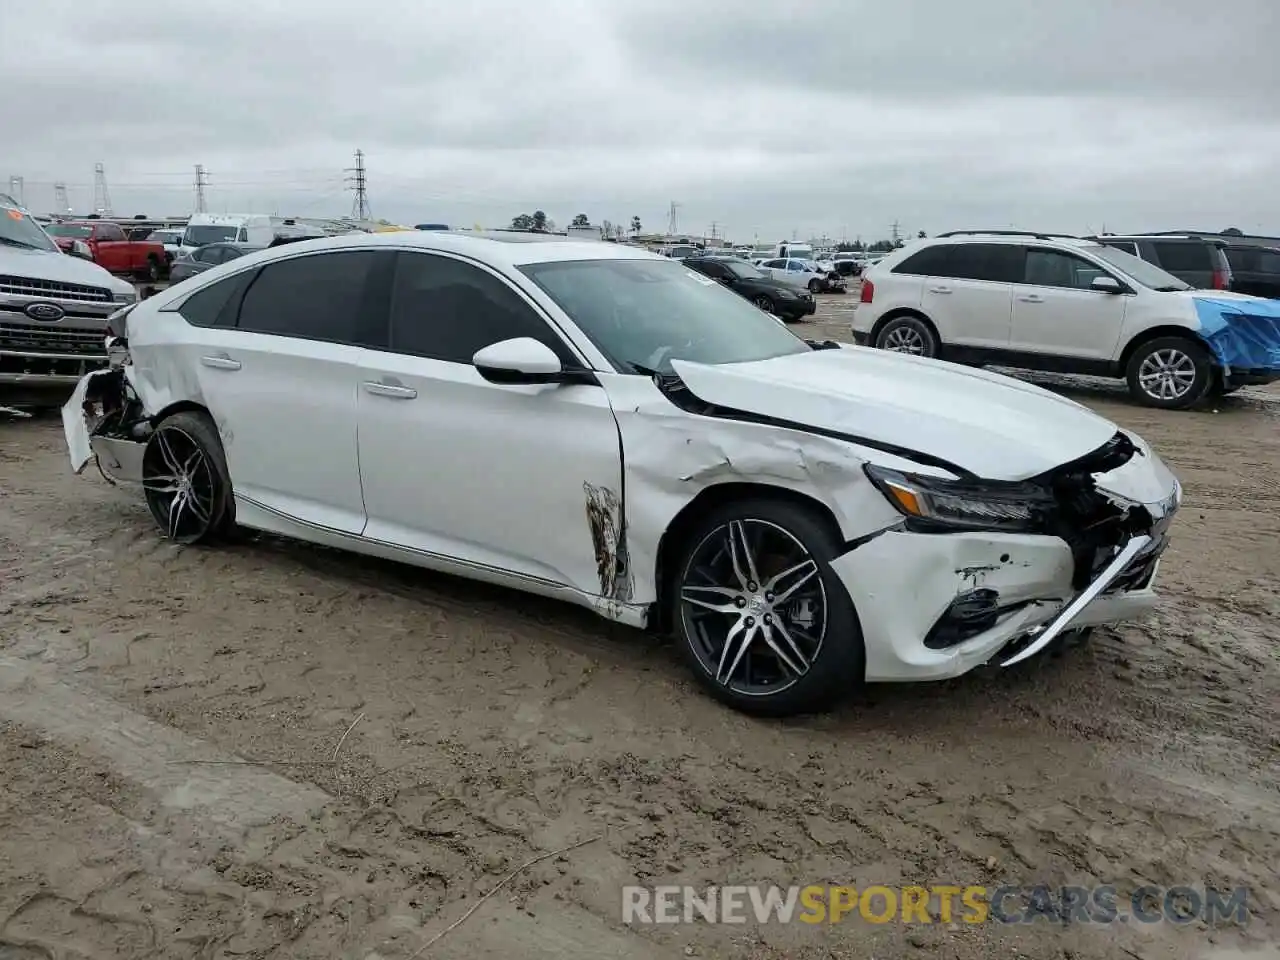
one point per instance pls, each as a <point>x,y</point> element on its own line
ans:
<point>793,251</point>
<point>206,228</point>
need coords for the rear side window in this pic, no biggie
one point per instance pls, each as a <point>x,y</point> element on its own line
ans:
<point>997,262</point>
<point>215,305</point>
<point>1245,259</point>
<point>1269,261</point>
<point>1184,256</point>
<point>317,297</point>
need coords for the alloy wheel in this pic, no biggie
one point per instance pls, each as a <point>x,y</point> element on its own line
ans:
<point>1167,374</point>
<point>754,607</point>
<point>180,484</point>
<point>765,304</point>
<point>904,339</point>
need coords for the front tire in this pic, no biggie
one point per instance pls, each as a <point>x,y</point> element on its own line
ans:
<point>185,479</point>
<point>1171,373</point>
<point>908,335</point>
<point>765,304</point>
<point>765,623</point>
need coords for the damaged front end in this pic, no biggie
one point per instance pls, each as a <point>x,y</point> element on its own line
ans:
<point>105,420</point>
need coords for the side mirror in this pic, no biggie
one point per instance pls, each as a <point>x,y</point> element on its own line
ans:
<point>519,360</point>
<point>81,249</point>
<point>1106,284</point>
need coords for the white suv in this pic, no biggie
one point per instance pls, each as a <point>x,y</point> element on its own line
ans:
<point>1065,304</point>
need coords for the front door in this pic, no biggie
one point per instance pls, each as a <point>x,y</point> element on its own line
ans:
<point>518,478</point>
<point>1056,313</point>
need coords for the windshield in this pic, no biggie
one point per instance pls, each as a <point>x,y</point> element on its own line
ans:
<point>744,270</point>
<point>72,230</point>
<point>17,229</point>
<point>199,236</point>
<point>643,314</point>
<point>1147,274</point>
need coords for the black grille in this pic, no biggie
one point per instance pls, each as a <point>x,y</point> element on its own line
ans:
<point>54,340</point>
<point>53,290</point>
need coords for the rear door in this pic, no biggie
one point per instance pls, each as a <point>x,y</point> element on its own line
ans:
<point>1056,313</point>
<point>281,383</point>
<point>969,295</point>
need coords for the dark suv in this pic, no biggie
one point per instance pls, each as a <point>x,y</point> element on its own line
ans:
<point>1254,270</point>
<point>754,285</point>
<point>1199,261</point>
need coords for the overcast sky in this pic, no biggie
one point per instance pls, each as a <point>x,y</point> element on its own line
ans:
<point>820,117</point>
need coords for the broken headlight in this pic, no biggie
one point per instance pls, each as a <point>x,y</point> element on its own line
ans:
<point>932,503</point>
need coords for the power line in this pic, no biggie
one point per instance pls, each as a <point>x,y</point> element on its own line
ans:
<point>360,205</point>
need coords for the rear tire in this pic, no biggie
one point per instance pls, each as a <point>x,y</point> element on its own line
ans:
<point>909,335</point>
<point>1171,373</point>
<point>185,479</point>
<point>815,286</point>
<point>793,638</point>
<point>154,271</point>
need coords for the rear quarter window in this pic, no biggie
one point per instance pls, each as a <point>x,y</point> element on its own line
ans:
<point>217,304</point>
<point>1184,256</point>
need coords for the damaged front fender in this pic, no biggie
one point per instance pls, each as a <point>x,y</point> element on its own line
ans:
<point>670,457</point>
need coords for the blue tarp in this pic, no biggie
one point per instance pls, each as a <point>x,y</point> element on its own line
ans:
<point>1243,334</point>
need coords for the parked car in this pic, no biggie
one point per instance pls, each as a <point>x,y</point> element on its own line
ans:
<point>753,284</point>
<point>1199,261</point>
<point>170,238</point>
<point>848,267</point>
<point>53,313</point>
<point>1070,305</point>
<point>803,275</point>
<point>200,259</point>
<point>111,249</point>
<point>1254,270</point>
<point>628,437</point>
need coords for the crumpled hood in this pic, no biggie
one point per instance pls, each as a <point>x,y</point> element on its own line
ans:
<point>993,426</point>
<point>52,265</point>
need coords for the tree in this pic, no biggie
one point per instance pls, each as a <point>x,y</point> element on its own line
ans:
<point>635,226</point>
<point>522,221</point>
<point>580,220</point>
<point>922,235</point>
<point>539,221</point>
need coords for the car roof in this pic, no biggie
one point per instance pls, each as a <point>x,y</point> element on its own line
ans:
<point>1002,236</point>
<point>1160,237</point>
<point>500,249</point>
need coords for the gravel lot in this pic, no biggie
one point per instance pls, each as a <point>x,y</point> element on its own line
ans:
<point>494,727</point>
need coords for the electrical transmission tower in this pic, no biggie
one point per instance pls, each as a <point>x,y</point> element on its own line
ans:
<point>61,204</point>
<point>673,219</point>
<point>201,182</point>
<point>15,189</point>
<point>360,205</point>
<point>101,196</point>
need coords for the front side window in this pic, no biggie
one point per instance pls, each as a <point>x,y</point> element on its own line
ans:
<point>642,314</point>
<point>1052,268</point>
<point>317,297</point>
<point>446,309</point>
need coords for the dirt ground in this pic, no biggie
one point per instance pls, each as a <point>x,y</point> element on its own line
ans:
<point>137,681</point>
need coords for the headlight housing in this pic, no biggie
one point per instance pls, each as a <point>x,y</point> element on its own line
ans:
<point>130,297</point>
<point>932,503</point>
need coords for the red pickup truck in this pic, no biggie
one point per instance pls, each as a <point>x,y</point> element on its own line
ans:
<point>111,248</point>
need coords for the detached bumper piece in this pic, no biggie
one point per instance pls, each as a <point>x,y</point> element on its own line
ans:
<point>1114,571</point>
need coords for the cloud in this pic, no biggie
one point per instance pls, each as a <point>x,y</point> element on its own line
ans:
<point>819,118</point>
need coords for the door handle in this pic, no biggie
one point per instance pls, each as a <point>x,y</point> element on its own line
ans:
<point>393,390</point>
<point>939,289</point>
<point>1032,298</point>
<point>222,362</point>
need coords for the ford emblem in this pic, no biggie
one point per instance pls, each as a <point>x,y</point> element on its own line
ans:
<point>45,312</point>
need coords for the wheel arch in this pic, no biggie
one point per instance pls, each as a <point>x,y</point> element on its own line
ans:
<point>1155,333</point>
<point>181,406</point>
<point>681,526</point>
<point>897,313</point>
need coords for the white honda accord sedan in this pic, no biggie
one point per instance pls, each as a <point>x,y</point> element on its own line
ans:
<point>592,422</point>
